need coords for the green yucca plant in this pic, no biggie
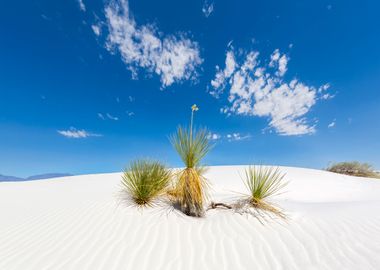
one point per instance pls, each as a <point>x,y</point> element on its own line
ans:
<point>145,180</point>
<point>263,182</point>
<point>192,146</point>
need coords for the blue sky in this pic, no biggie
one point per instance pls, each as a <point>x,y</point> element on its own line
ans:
<point>86,86</point>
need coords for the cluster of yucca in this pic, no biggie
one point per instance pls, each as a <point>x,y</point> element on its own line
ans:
<point>146,180</point>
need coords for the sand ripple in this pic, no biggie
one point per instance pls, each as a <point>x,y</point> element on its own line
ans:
<point>79,223</point>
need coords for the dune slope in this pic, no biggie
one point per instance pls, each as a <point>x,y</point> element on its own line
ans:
<point>82,222</point>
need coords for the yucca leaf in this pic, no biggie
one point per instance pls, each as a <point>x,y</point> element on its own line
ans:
<point>192,147</point>
<point>263,182</point>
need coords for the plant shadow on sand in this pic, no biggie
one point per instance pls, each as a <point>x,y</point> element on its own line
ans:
<point>161,206</point>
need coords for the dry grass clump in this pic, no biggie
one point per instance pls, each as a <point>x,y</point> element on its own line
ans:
<point>262,183</point>
<point>190,189</point>
<point>354,168</point>
<point>145,180</point>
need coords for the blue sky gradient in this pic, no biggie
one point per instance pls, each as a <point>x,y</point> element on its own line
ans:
<point>57,75</point>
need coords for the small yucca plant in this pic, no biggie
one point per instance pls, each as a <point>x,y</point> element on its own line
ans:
<point>263,182</point>
<point>145,180</point>
<point>192,146</point>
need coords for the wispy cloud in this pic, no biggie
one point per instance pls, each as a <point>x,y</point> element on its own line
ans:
<point>108,116</point>
<point>101,116</point>
<point>222,76</point>
<point>213,136</point>
<point>230,137</point>
<point>82,6</point>
<point>174,58</point>
<point>111,117</point>
<point>43,16</point>
<point>256,89</point>
<point>77,134</point>
<point>208,8</point>
<point>332,124</point>
<point>237,137</point>
<point>323,92</point>
<point>279,61</point>
<point>96,29</point>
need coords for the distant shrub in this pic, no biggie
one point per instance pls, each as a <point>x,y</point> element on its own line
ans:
<point>354,168</point>
<point>145,180</point>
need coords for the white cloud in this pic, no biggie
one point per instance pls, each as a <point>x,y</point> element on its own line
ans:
<point>237,137</point>
<point>327,96</point>
<point>77,134</point>
<point>82,5</point>
<point>324,87</point>
<point>173,58</point>
<point>256,89</point>
<point>96,29</point>
<point>222,75</point>
<point>111,117</point>
<point>214,136</point>
<point>332,124</point>
<point>130,113</point>
<point>279,61</point>
<point>208,8</point>
<point>323,91</point>
<point>230,137</point>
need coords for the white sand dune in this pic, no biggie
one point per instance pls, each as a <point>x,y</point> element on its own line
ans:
<point>79,223</point>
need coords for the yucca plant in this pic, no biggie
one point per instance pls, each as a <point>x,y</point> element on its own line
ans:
<point>145,180</point>
<point>263,182</point>
<point>192,146</point>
